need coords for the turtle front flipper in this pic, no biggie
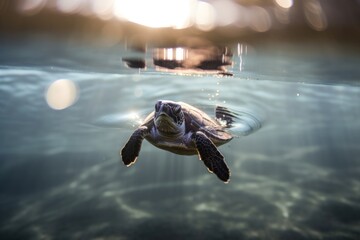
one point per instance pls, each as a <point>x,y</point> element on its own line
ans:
<point>131,150</point>
<point>211,156</point>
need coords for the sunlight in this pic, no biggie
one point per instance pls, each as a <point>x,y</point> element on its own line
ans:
<point>135,118</point>
<point>285,3</point>
<point>156,13</point>
<point>205,16</point>
<point>169,54</point>
<point>102,8</point>
<point>179,54</point>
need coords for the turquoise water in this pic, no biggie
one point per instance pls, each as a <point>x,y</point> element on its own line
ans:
<point>295,175</point>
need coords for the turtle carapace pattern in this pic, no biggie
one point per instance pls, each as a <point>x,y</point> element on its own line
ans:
<point>183,129</point>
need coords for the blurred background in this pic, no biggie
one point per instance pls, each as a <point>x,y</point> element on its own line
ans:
<point>165,22</point>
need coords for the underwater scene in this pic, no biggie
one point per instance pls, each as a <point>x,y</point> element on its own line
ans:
<point>67,109</point>
<point>179,119</point>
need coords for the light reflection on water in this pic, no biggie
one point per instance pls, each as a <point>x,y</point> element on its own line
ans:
<point>297,177</point>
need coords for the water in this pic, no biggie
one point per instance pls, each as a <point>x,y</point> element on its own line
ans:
<point>295,176</point>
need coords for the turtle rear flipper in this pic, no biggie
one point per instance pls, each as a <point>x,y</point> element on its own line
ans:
<point>211,157</point>
<point>131,150</point>
<point>226,115</point>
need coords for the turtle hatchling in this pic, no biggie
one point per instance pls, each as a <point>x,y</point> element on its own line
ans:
<point>183,129</point>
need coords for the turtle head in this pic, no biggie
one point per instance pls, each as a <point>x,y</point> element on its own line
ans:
<point>169,117</point>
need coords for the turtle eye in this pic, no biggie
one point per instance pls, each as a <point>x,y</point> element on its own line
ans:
<point>177,109</point>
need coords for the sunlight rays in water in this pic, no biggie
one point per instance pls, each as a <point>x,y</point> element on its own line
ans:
<point>91,194</point>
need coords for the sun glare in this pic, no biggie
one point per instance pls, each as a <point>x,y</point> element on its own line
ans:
<point>205,15</point>
<point>285,3</point>
<point>155,13</point>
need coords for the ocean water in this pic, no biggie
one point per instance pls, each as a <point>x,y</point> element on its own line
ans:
<point>294,161</point>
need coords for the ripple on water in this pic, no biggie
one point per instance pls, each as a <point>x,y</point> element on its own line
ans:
<point>246,122</point>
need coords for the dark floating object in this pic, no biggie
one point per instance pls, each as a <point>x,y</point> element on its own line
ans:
<point>134,62</point>
<point>193,58</point>
<point>226,74</point>
<point>183,129</point>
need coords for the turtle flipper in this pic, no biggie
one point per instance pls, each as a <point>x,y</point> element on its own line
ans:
<point>226,115</point>
<point>211,156</point>
<point>131,150</point>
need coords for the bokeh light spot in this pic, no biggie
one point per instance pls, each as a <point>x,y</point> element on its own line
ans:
<point>315,15</point>
<point>261,20</point>
<point>285,3</point>
<point>31,7</point>
<point>155,13</point>
<point>205,16</point>
<point>61,94</point>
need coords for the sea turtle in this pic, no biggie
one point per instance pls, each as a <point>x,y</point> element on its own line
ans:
<point>183,129</point>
